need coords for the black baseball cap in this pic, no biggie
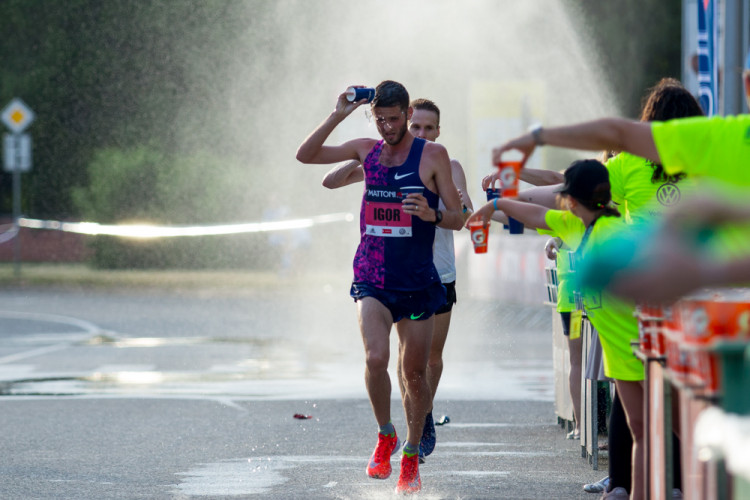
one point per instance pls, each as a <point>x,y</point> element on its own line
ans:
<point>587,181</point>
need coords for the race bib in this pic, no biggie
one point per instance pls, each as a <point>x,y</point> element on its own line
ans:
<point>384,215</point>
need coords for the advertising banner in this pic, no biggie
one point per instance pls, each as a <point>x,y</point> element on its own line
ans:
<point>708,74</point>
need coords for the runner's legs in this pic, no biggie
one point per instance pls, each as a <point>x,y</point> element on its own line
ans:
<point>375,323</point>
<point>415,338</point>
<point>435,363</point>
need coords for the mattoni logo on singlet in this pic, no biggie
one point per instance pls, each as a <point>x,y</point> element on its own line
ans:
<point>668,194</point>
<point>383,193</point>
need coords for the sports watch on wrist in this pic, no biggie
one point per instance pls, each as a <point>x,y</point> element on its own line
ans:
<point>536,133</point>
<point>438,216</point>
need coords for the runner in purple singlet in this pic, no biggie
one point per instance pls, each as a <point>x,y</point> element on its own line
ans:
<point>424,124</point>
<point>395,280</point>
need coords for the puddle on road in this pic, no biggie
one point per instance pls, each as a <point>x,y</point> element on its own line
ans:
<point>134,342</point>
<point>252,476</point>
<point>253,368</point>
<point>327,382</point>
<point>232,478</point>
<point>264,476</point>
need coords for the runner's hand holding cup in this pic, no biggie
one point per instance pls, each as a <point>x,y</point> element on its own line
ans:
<point>348,101</point>
<point>412,201</point>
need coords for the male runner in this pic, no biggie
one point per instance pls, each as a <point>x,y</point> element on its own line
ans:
<point>395,280</point>
<point>424,124</point>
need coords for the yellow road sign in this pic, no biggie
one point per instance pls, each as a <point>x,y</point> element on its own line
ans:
<point>17,116</point>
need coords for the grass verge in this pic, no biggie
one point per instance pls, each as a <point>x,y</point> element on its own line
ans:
<point>83,276</point>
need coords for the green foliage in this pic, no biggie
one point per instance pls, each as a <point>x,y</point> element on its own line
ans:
<point>144,185</point>
<point>102,74</point>
<point>122,185</point>
<point>637,42</point>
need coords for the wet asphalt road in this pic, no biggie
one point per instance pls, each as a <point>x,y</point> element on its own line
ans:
<point>148,394</point>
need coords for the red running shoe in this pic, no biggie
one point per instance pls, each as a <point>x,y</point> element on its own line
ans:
<point>380,462</point>
<point>409,480</point>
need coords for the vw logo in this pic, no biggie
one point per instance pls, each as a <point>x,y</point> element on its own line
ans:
<point>668,194</point>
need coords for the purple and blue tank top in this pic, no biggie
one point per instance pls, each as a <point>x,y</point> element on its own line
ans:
<point>395,249</point>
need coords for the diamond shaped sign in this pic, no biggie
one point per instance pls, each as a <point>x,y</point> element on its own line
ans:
<point>17,116</point>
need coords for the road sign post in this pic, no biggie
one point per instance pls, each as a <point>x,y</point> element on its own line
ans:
<point>16,159</point>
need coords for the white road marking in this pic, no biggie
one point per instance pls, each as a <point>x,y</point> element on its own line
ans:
<point>52,318</point>
<point>88,328</point>
<point>33,352</point>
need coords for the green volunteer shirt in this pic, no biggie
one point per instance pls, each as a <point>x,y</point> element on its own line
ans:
<point>640,199</point>
<point>719,148</point>
<point>565,299</point>
<point>613,318</point>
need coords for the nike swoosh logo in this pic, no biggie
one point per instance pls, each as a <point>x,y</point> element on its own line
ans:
<point>399,177</point>
<point>417,316</point>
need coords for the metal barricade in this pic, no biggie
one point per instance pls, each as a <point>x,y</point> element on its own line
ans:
<point>590,388</point>
<point>704,367</point>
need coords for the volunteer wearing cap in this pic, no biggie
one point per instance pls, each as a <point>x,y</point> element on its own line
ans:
<point>591,219</point>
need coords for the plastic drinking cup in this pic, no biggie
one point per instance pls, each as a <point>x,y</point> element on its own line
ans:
<point>515,226</point>
<point>510,173</point>
<point>479,233</point>
<point>407,190</point>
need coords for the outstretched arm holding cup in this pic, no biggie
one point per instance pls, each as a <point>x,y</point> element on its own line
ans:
<point>615,134</point>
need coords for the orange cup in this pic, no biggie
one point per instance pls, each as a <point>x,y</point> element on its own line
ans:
<point>510,173</point>
<point>479,234</point>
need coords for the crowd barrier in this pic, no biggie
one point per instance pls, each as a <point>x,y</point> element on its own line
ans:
<point>592,400</point>
<point>697,357</point>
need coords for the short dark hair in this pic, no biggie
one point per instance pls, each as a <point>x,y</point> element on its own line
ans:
<point>426,105</point>
<point>389,93</point>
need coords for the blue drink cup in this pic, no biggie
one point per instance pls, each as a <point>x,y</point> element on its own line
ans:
<point>515,226</point>
<point>407,190</point>
<point>356,94</point>
<point>493,193</point>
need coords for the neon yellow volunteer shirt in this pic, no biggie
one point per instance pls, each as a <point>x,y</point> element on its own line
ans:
<point>613,318</point>
<point>717,147</point>
<point>565,299</point>
<point>565,287</point>
<point>640,199</point>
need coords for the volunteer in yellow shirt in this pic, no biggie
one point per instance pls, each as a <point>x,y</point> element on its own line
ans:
<point>592,218</point>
